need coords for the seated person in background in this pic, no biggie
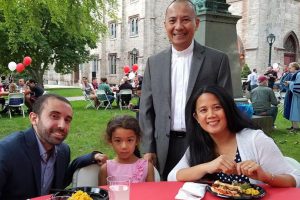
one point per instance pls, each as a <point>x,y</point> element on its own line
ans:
<point>104,86</point>
<point>13,88</point>
<point>123,133</point>
<point>125,85</point>
<point>35,160</point>
<point>95,83</point>
<point>225,145</point>
<point>135,82</point>
<point>89,91</point>
<point>32,94</point>
<point>2,100</point>
<point>22,87</point>
<point>262,97</point>
<point>137,106</point>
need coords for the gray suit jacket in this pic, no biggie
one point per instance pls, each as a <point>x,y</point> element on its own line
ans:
<point>208,67</point>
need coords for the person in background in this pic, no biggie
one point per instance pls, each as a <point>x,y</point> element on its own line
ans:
<point>272,76</point>
<point>2,100</point>
<point>292,98</point>
<point>89,91</point>
<point>263,99</point>
<point>253,79</point>
<point>95,83</point>
<point>32,94</point>
<point>123,133</point>
<point>136,107</point>
<point>104,86</point>
<point>13,88</point>
<point>135,82</point>
<point>286,76</point>
<point>226,146</point>
<point>22,87</point>
<point>125,85</point>
<point>248,82</point>
<point>35,160</point>
<point>170,78</point>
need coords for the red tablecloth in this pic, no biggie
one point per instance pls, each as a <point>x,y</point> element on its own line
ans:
<point>168,191</point>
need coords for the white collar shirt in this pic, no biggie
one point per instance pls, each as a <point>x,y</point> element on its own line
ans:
<point>180,72</point>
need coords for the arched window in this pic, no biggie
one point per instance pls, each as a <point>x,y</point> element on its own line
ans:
<point>290,49</point>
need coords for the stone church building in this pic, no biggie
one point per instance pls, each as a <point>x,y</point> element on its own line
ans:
<point>139,33</point>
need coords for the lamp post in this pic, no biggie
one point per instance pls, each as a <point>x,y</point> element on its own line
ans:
<point>271,40</point>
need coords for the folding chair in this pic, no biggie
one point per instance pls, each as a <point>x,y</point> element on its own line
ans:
<point>124,98</point>
<point>102,97</point>
<point>16,100</point>
<point>86,176</point>
<point>90,102</point>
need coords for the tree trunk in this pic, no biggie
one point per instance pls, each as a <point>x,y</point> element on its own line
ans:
<point>37,72</point>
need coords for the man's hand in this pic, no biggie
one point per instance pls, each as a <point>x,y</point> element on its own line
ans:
<point>130,106</point>
<point>151,157</point>
<point>100,158</point>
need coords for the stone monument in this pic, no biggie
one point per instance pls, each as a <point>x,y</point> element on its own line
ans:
<point>218,30</point>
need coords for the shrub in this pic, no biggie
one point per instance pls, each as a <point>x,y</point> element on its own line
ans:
<point>245,71</point>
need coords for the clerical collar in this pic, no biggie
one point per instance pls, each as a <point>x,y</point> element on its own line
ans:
<point>187,51</point>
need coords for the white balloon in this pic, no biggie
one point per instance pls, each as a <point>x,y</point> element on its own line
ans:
<point>275,65</point>
<point>131,75</point>
<point>12,66</point>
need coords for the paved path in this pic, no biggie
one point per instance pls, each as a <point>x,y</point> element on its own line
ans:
<point>75,98</point>
<point>62,86</point>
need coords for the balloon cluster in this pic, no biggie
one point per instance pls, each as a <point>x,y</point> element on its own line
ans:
<point>126,68</point>
<point>12,66</point>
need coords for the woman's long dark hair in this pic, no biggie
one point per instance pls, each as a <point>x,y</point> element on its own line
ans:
<point>202,147</point>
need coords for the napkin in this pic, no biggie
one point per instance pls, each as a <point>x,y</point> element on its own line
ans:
<point>191,191</point>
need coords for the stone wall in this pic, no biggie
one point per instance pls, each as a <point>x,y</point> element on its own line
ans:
<point>259,18</point>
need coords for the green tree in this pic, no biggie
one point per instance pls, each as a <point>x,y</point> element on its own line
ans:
<point>58,32</point>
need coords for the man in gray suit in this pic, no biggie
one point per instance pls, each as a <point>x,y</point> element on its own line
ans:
<point>170,79</point>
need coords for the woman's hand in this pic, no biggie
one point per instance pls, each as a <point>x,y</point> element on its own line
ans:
<point>252,170</point>
<point>224,164</point>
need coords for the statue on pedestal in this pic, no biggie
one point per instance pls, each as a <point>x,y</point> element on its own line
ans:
<point>211,5</point>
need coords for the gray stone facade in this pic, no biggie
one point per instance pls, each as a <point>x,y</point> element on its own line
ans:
<point>259,19</point>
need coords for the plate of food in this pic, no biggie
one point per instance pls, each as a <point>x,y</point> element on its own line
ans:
<point>236,190</point>
<point>93,193</point>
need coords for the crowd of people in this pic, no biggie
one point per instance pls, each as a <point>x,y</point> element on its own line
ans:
<point>189,126</point>
<point>30,88</point>
<point>112,92</point>
<point>267,91</point>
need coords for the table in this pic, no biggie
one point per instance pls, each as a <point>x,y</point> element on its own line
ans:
<point>168,191</point>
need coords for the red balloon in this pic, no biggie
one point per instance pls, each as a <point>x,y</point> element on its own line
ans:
<point>135,67</point>
<point>27,61</point>
<point>20,67</point>
<point>126,69</point>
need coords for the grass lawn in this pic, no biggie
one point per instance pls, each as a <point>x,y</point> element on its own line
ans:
<point>66,92</point>
<point>88,127</point>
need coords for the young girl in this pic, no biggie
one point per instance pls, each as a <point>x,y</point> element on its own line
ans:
<point>123,134</point>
